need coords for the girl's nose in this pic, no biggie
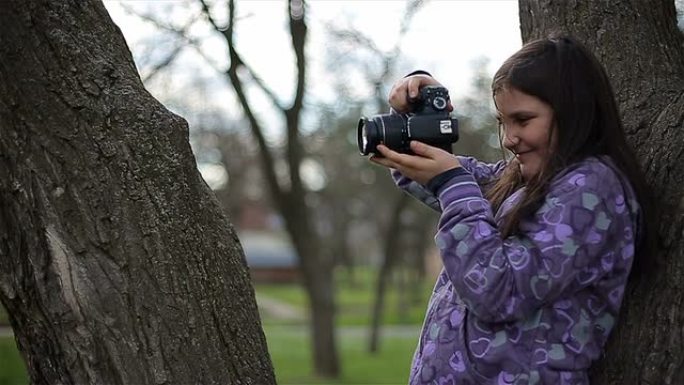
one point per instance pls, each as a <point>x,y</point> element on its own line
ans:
<point>510,140</point>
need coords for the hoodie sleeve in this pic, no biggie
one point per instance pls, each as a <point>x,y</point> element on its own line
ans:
<point>482,172</point>
<point>579,234</point>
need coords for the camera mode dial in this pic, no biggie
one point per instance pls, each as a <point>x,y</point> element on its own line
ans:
<point>439,103</point>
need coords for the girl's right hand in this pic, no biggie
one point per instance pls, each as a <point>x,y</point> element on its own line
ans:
<point>405,91</point>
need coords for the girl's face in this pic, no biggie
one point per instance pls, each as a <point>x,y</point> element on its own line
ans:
<point>526,123</point>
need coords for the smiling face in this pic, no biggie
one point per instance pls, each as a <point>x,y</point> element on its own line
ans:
<point>526,123</point>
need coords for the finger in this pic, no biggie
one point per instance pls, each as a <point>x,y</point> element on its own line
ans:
<point>382,161</point>
<point>381,157</point>
<point>413,87</point>
<point>423,149</point>
<point>402,161</point>
<point>389,154</point>
<point>398,102</point>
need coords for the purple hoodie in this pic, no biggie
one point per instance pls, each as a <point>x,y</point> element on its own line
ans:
<point>533,308</point>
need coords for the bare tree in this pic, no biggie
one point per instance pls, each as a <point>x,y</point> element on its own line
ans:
<point>379,68</point>
<point>116,263</point>
<point>290,199</point>
<point>643,50</point>
<point>301,219</point>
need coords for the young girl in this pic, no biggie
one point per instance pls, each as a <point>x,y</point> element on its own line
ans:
<point>536,250</point>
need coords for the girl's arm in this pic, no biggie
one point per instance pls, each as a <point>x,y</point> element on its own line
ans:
<point>582,232</point>
<point>482,172</point>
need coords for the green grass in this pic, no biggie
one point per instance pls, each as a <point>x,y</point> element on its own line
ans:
<point>354,301</point>
<point>289,345</point>
<point>291,354</point>
<point>290,351</point>
<point>3,316</point>
<point>12,369</point>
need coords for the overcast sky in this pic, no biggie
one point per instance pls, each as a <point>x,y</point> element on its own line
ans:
<point>445,36</point>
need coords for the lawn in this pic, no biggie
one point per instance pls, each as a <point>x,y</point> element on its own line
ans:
<point>289,341</point>
<point>12,369</point>
<point>289,348</point>
<point>291,355</point>
<point>3,316</point>
<point>354,300</point>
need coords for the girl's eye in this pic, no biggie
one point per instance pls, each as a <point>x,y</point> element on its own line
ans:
<point>522,121</point>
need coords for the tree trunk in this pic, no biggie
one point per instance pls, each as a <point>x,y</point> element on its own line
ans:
<point>391,251</point>
<point>318,282</point>
<point>317,270</point>
<point>643,52</point>
<point>116,263</point>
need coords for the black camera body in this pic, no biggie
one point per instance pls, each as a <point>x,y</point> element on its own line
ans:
<point>429,122</point>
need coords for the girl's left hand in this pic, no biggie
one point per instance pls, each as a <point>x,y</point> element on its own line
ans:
<point>428,162</point>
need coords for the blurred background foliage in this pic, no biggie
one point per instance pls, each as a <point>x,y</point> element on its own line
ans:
<point>379,242</point>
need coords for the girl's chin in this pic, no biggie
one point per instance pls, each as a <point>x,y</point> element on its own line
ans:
<point>528,171</point>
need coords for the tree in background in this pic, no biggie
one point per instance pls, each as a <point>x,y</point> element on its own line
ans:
<point>643,51</point>
<point>288,194</point>
<point>399,224</point>
<point>318,222</point>
<point>116,263</point>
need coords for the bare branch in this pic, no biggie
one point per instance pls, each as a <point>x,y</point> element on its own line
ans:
<point>264,88</point>
<point>412,8</point>
<point>178,32</point>
<point>298,30</point>
<point>355,37</point>
<point>295,150</point>
<point>158,23</point>
<point>387,59</point>
<point>207,14</point>
<point>227,34</point>
<point>163,64</point>
<point>268,164</point>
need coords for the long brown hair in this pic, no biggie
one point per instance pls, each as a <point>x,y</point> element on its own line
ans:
<point>564,74</point>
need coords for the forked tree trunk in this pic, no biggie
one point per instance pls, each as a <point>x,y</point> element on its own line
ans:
<point>116,263</point>
<point>391,253</point>
<point>290,200</point>
<point>643,52</point>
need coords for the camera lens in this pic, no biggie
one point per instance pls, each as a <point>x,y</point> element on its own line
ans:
<point>367,136</point>
<point>387,129</point>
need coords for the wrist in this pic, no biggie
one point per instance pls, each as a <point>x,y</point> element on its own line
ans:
<point>437,182</point>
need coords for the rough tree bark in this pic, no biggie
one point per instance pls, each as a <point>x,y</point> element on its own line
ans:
<point>116,263</point>
<point>643,52</point>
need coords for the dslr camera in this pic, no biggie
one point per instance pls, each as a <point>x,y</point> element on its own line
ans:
<point>429,123</point>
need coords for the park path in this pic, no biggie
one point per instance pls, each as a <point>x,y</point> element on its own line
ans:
<point>279,309</point>
<point>282,311</point>
<point>408,331</point>
<point>294,320</point>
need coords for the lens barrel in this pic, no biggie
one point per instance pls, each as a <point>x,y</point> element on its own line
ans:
<point>388,129</point>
